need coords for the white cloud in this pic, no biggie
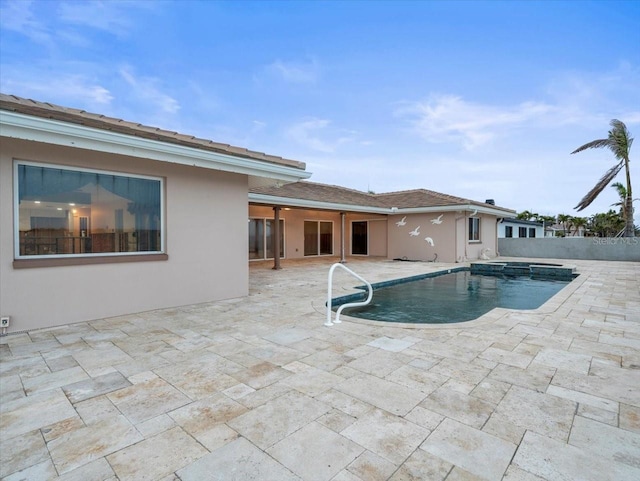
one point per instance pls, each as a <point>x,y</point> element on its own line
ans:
<point>591,99</point>
<point>108,16</point>
<point>17,16</point>
<point>70,90</point>
<point>316,134</point>
<point>572,99</point>
<point>306,134</point>
<point>449,118</point>
<point>292,72</point>
<point>145,89</point>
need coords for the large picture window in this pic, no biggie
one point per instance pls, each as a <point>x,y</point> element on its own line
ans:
<point>65,212</point>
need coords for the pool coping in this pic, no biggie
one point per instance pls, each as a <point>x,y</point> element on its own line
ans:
<point>550,306</point>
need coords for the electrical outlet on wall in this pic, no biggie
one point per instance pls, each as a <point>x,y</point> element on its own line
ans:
<point>4,321</point>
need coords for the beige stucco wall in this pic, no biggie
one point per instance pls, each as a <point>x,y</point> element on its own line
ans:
<point>206,241</point>
<point>378,237</point>
<point>449,237</point>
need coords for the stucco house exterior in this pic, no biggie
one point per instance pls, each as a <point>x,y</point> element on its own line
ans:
<point>101,217</point>
<point>511,227</point>
<point>319,219</point>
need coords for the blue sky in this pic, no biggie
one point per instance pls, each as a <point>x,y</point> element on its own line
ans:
<point>475,99</point>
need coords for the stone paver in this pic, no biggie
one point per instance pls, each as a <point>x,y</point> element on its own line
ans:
<point>479,453</point>
<point>389,436</point>
<point>554,460</point>
<point>315,453</point>
<point>258,388</point>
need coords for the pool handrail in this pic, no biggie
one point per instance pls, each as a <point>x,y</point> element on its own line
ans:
<point>348,304</point>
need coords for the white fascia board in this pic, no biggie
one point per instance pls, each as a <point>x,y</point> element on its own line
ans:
<point>314,204</point>
<point>26,127</point>
<point>455,208</point>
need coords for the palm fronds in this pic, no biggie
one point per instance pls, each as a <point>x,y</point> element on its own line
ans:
<point>599,187</point>
<point>594,144</point>
<point>619,143</point>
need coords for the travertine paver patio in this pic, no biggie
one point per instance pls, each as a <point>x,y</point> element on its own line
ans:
<point>258,389</point>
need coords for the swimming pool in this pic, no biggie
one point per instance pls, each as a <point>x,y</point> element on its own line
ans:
<point>452,297</point>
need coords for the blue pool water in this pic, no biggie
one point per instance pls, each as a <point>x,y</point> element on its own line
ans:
<point>456,297</point>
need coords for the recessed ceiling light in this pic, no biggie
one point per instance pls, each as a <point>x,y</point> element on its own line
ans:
<point>36,201</point>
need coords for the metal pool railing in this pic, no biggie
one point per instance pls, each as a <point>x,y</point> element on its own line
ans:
<point>349,304</point>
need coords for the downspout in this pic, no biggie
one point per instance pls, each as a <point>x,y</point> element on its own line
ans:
<point>497,239</point>
<point>342,231</point>
<point>276,238</point>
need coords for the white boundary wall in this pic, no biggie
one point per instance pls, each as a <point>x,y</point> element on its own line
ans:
<point>588,248</point>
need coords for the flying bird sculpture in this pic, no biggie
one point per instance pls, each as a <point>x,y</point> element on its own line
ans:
<point>402,221</point>
<point>415,232</point>
<point>437,220</point>
<point>429,241</point>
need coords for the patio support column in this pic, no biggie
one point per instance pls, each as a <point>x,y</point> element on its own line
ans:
<point>342,232</point>
<point>275,242</point>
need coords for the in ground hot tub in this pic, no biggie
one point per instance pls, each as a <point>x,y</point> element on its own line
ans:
<point>533,269</point>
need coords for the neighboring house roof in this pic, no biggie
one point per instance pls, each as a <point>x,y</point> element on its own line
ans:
<point>322,196</point>
<point>513,220</point>
<point>44,121</point>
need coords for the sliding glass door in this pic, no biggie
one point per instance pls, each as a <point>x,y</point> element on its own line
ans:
<point>261,236</point>
<point>318,238</point>
<point>360,238</point>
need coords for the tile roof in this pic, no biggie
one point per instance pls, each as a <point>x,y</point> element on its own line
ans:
<point>341,195</point>
<point>321,193</point>
<point>422,198</point>
<point>102,122</point>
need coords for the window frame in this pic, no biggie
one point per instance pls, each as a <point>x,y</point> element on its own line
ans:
<point>318,237</point>
<point>46,260</point>
<point>366,224</point>
<point>283,231</point>
<point>508,231</point>
<point>472,229</point>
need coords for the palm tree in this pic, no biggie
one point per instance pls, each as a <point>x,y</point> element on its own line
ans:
<point>606,224</point>
<point>622,193</point>
<point>578,223</point>
<point>563,220</point>
<point>619,142</point>
<point>526,215</point>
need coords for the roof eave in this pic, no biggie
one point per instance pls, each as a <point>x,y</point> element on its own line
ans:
<point>313,204</point>
<point>27,127</point>
<point>497,211</point>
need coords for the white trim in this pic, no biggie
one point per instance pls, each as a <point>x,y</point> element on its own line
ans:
<point>314,204</point>
<point>27,127</point>
<point>16,211</point>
